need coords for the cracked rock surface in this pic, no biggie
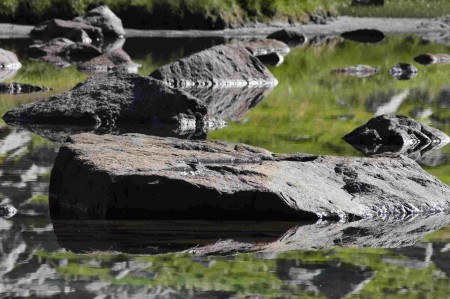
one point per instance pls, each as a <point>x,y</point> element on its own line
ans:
<point>135,176</point>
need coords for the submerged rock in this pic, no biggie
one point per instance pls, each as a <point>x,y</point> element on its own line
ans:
<point>135,176</point>
<point>359,70</point>
<point>9,60</point>
<point>7,211</point>
<point>396,134</point>
<point>105,19</point>
<point>75,31</point>
<point>17,88</point>
<point>364,36</point>
<point>403,71</point>
<point>113,99</point>
<point>429,59</point>
<point>261,47</point>
<point>291,37</point>
<point>114,61</point>
<point>219,66</point>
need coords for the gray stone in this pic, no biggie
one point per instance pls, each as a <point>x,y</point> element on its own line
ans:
<point>113,99</point>
<point>359,70</point>
<point>261,47</point>
<point>403,71</point>
<point>218,66</point>
<point>135,176</point>
<point>291,37</point>
<point>364,36</point>
<point>430,59</point>
<point>7,211</point>
<point>105,19</point>
<point>19,88</point>
<point>115,60</point>
<point>75,31</point>
<point>9,60</point>
<point>396,134</point>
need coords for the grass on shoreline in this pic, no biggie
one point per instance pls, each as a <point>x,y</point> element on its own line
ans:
<point>213,14</point>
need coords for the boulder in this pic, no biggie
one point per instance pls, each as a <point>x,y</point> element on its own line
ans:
<point>261,47</point>
<point>359,70</point>
<point>136,176</point>
<point>62,52</point>
<point>403,71</point>
<point>19,88</point>
<point>9,60</point>
<point>75,31</point>
<point>371,36</point>
<point>396,134</point>
<point>7,211</point>
<point>115,60</point>
<point>200,237</point>
<point>218,66</point>
<point>429,59</point>
<point>105,19</point>
<point>291,37</point>
<point>368,2</point>
<point>113,99</point>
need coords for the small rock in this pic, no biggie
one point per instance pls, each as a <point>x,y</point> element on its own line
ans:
<point>116,60</point>
<point>291,37</point>
<point>358,71</point>
<point>403,71</point>
<point>429,59</point>
<point>7,211</point>
<point>371,36</point>
<point>396,134</point>
<point>104,18</point>
<point>9,60</point>
<point>272,59</point>
<point>368,2</point>
<point>266,46</point>
<point>219,66</point>
<point>75,31</point>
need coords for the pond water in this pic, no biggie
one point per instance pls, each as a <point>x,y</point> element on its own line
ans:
<point>309,111</point>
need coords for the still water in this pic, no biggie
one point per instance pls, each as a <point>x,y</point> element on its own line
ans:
<point>309,111</point>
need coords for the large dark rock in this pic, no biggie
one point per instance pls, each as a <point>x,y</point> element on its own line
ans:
<point>113,100</point>
<point>218,66</point>
<point>200,237</point>
<point>364,35</point>
<point>136,176</point>
<point>9,60</point>
<point>291,37</point>
<point>18,88</point>
<point>113,61</point>
<point>105,19</point>
<point>368,2</point>
<point>75,31</point>
<point>396,134</point>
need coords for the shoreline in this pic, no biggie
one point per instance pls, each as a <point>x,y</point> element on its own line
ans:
<point>334,27</point>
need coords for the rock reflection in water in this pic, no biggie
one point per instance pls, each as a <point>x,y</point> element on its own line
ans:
<point>231,237</point>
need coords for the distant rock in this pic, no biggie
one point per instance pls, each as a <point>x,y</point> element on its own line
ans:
<point>75,31</point>
<point>112,99</point>
<point>117,174</point>
<point>9,60</point>
<point>403,71</point>
<point>113,61</point>
<point>272,59</point>
<point>359,70</point>
<point>429,59</point>
<point>364,36</point>
<point>105,19</point>
<point>7,211</point>
<point>19,88</point>
<point>261,47</point>
<point>396,134</point>
<point>291,37</point>
<point>368,2</point>
<point>219,66</point>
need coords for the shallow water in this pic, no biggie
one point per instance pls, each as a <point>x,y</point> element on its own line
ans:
<point>309,111</point>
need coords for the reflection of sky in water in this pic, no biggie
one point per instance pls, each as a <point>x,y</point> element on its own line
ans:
<point>308,112</point>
